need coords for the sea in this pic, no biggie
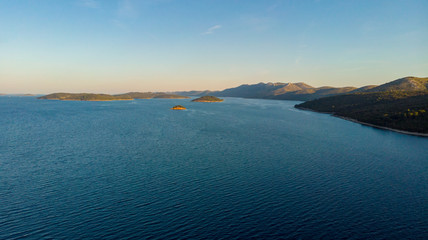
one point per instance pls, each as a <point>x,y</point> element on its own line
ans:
<point>238,169</point>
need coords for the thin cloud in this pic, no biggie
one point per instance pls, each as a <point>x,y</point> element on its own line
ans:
<point>89,3</point>
<point>211,29</point>
<point>257,23</point>
<point>126,8</point>
<point>118,24</point>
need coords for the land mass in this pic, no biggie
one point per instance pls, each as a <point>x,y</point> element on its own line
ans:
<point>279,91</point>
<point>303,92</point>
<point>207,99</point>
<point>395,110</point>
<point>84,97</point>
<point>150,95</point>
<point>107,97</point>
<point>18,95</point>
<point>399,105</point>
<point>178,107</point>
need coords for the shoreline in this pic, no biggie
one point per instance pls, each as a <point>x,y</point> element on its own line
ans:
<point>90,100</point>
<point>369,124</point>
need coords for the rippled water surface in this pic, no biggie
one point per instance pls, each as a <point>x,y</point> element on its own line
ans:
<point>242,168</point>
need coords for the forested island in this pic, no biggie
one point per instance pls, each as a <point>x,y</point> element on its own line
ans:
<point>207,99</point>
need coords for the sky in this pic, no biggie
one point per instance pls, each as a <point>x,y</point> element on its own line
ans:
<point>116,46</point>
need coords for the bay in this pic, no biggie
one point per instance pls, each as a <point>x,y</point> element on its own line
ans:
<point>242,168</point>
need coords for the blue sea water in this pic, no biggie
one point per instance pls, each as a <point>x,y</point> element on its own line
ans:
<point>240,169</point>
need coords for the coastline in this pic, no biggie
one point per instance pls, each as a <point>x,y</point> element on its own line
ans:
<point>91,100</point>
<point>368,124</point>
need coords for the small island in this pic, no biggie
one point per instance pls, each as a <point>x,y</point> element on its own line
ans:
<point>207,99</point>
<point>178,107</point>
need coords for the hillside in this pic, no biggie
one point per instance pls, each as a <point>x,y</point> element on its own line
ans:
<point>207,99</point>
<point>195,93</point>
<point>312,93</point>
<point>84,97</point>
<point>262,90</point>
<point>403,84</point>
<point>280,91</point>
<point>363,89</point>
<point>304,92</point>
<point>400,110</point>
<point>149,95</point>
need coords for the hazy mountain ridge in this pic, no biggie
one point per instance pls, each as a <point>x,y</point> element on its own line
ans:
<point>149,95</point>
<point>304,92</point>
<point>195,93</point>
<point>280,91</point>
<point>313,93</point>
<point>263,90</point>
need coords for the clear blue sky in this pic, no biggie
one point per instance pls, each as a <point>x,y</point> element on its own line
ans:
<point>115,46</point>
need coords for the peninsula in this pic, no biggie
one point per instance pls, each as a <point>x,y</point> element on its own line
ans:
<point>207,99</point>
<point>401,111</point>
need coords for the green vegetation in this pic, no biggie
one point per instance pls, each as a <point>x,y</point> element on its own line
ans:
<point>401,110</point>
<point>208,99</point>
<point>84,97</point>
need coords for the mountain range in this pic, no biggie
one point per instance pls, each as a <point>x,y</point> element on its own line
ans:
<point>304,92</point>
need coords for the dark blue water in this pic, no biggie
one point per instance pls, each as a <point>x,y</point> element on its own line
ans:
<point>238,169</point>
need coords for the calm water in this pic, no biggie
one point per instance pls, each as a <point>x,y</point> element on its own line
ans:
<point>238,169</point>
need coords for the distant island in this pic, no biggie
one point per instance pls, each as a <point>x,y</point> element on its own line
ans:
<point>207,99</point>
<point>18,95</point>
<point>84,97</point>
<point>107,97</point>
<point>178,107</point>
<point>24,95</point>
